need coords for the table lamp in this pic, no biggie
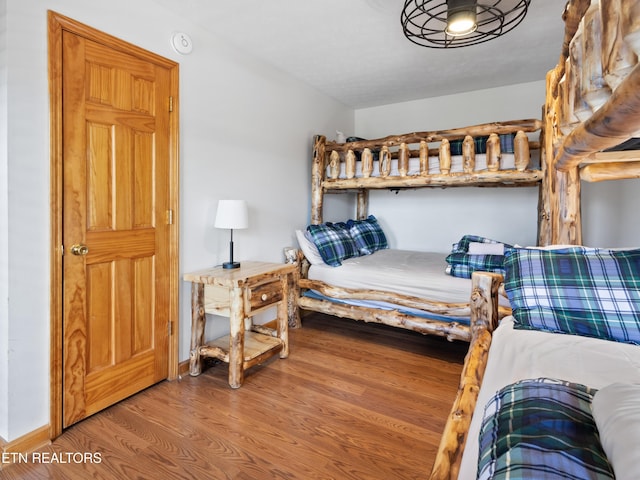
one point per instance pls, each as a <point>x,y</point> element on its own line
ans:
<point>232,214</point>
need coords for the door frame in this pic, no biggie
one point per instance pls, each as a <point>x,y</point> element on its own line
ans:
<point>57,24</point>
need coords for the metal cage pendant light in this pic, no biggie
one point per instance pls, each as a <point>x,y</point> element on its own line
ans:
<point>459,23</point>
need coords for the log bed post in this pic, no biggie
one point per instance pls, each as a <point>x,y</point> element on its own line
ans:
<point>565,209</point>
<point>544,193</point>
<point>317,178</point>
<point>484,318</point>
<point>362,204</point>
<point>547,191</point>
<point>560,188</point>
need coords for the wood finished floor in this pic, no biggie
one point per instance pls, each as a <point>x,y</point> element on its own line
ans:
<point>352,401</point>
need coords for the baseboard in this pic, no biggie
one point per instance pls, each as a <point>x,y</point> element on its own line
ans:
<point>25,444</point>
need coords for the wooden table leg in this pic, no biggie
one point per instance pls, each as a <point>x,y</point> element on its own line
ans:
<point>197,328</point>
<point>236,338</point>
<point>284,309</point>
<point>292,299</point>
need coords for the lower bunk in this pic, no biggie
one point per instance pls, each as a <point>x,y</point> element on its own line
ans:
<point>554,391</point>
<point>349,271</point>
<point>399,288</point>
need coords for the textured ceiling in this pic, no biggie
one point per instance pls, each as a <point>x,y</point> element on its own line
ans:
<point>355,51</point>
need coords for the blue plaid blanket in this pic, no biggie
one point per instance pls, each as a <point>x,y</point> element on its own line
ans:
<point>580,291</point>
<point>462,264</point>
<point>541,429</point>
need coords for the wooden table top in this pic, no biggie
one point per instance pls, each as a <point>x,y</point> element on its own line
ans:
<point>248,269</point>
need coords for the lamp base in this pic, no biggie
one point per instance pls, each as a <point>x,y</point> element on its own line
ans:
<point>229,265</point>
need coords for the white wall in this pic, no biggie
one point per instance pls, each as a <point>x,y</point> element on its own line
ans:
<point>433,219</point>
<point>245,133</point>
<point>610,216</point>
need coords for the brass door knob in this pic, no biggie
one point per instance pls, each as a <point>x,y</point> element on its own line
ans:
<point>79,249</point>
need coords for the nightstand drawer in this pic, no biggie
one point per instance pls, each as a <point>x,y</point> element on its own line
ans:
<point>265,294</point>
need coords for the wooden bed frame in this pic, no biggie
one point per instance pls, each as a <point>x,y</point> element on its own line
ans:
<point>435,143</point>
<point>575,151</point>
<point>327,157</point>
<point>572,151</point>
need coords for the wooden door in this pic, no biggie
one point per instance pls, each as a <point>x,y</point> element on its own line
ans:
<point>116,225</point>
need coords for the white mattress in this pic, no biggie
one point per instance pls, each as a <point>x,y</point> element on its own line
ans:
<point>507,162</point>
<point>420,274</point>
<point>521,354</point>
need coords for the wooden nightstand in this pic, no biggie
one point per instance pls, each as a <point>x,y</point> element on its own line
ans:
<point>238,294</point>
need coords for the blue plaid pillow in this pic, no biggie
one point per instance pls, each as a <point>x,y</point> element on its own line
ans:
<point>334,242</point>
<point>579,291</point>
<point>368,235</point>
<point>541,428</point>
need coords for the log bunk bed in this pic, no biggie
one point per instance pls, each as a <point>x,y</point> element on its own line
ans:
<point>414,160</point>
<point>592,111</point>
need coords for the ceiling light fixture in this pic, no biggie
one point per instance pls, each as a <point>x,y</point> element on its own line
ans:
<point>461,17</point>
<point>459,23</point>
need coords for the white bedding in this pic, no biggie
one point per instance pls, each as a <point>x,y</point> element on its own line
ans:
<point>420,274</point>
<point>521,354</point>
<point>507,162</point>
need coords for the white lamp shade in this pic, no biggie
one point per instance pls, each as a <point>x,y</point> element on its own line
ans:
<point>232,214</point>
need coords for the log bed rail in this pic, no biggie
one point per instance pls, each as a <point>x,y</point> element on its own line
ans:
<point>330,158</point>
<point>484,319</point>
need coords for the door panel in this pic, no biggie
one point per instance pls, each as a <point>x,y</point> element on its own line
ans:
<point>116,195</point>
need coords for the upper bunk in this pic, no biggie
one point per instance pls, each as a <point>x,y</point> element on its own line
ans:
<point>499,154</point>
<point>594,91</point>
<point>592,111</point>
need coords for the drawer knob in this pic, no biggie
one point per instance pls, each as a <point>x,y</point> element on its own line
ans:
<point>264,297</point>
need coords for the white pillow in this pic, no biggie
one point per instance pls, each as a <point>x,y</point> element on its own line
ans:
<point>481,248</point>
<point>616,411</point>
<point>309,249</point>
